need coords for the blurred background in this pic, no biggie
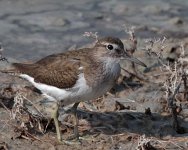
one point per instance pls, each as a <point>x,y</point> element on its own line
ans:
<point>31,29</point>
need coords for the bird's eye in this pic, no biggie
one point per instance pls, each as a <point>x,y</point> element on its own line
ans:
<point>110,47</point>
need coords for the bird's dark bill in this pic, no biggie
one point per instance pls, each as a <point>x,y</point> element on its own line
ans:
<point>135,60</point>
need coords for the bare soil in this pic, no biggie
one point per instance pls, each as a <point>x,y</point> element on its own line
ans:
<point>134,114</point>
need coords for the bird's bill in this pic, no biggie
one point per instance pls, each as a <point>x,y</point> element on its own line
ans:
<point>135,60</point>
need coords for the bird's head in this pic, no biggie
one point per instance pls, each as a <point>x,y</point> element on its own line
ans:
<point>113,48</point>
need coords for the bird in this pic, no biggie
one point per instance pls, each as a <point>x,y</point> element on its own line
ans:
<point>77,75</point>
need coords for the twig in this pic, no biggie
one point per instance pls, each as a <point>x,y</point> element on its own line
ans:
<point>5,107</point>
<point>173,108</point>
<point>92,35</point>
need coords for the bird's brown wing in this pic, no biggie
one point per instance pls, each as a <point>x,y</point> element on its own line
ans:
<point>60,73</point>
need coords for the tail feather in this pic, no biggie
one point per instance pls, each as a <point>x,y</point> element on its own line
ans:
<point>25,68</point>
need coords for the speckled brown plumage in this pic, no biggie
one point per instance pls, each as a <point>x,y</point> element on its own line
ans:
<point>59,70</point>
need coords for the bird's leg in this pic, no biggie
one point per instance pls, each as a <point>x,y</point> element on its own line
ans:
<point>76,133</point>
<point>55,115</point>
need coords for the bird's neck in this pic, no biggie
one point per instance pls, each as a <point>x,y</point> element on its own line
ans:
<point>110,67</point>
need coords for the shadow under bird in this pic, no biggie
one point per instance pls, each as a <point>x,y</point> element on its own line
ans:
<point>75,76</point>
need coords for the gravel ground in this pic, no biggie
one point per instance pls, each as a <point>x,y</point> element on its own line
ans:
<point>30,30</point>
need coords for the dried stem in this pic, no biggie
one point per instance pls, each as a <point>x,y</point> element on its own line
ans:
<point>91,35</point>
<point>177,75</point>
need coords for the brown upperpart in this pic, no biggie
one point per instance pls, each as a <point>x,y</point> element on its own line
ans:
<point>62,70</point>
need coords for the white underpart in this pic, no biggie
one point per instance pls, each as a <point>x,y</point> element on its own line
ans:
<point>80,91</point>
<point>80,68</point>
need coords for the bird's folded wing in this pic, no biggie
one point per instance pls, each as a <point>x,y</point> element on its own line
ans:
<point>61,74</point>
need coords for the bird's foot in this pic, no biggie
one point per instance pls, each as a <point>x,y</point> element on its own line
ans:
<point>79,138</point>
<point>69,142</point>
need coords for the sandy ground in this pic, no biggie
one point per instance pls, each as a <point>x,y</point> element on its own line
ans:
<point>134,115</point>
